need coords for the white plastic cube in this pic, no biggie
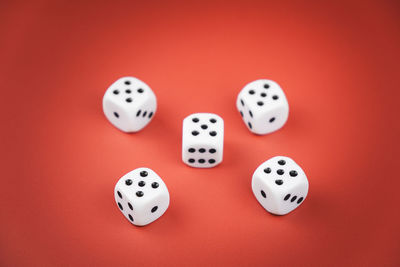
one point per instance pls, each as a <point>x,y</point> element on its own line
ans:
<point>263,106</point>
<point>129,104</point>
<point>280,185</point>
<point>141,196</point>
<point>202,140</point>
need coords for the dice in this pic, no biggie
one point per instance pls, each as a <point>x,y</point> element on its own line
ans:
<point>280,185</point>
<point>202,140</point>
<point>142,196</point>
<point>263,106</point>
<point>129,104</point>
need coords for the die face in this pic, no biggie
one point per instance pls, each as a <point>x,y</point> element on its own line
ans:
<point>263,106</point>
<point>202,140</point>
<point>280,185</point>
<point>201,156</point>
<point>141,196</point>
<point>117,115</point>
<point>129,104</point>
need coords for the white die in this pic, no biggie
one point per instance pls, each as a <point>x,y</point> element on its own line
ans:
<point>129,104</point>
<point>263,106</point>
<point>141,196</point>
<point>280,185</point>
<point>202,140</point>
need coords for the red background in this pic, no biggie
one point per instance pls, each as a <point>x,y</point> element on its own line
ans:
<point>337,62</point>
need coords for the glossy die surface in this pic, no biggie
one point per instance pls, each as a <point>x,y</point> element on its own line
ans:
<point>280,185</point>
<point>202,140</point>
<point>129,104</point>
<point>263,106</point>
<point>141,196</point>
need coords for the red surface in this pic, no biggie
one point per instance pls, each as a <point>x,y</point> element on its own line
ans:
<point>337,62</point>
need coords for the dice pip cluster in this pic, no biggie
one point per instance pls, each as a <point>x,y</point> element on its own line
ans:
<point>279,184</point>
